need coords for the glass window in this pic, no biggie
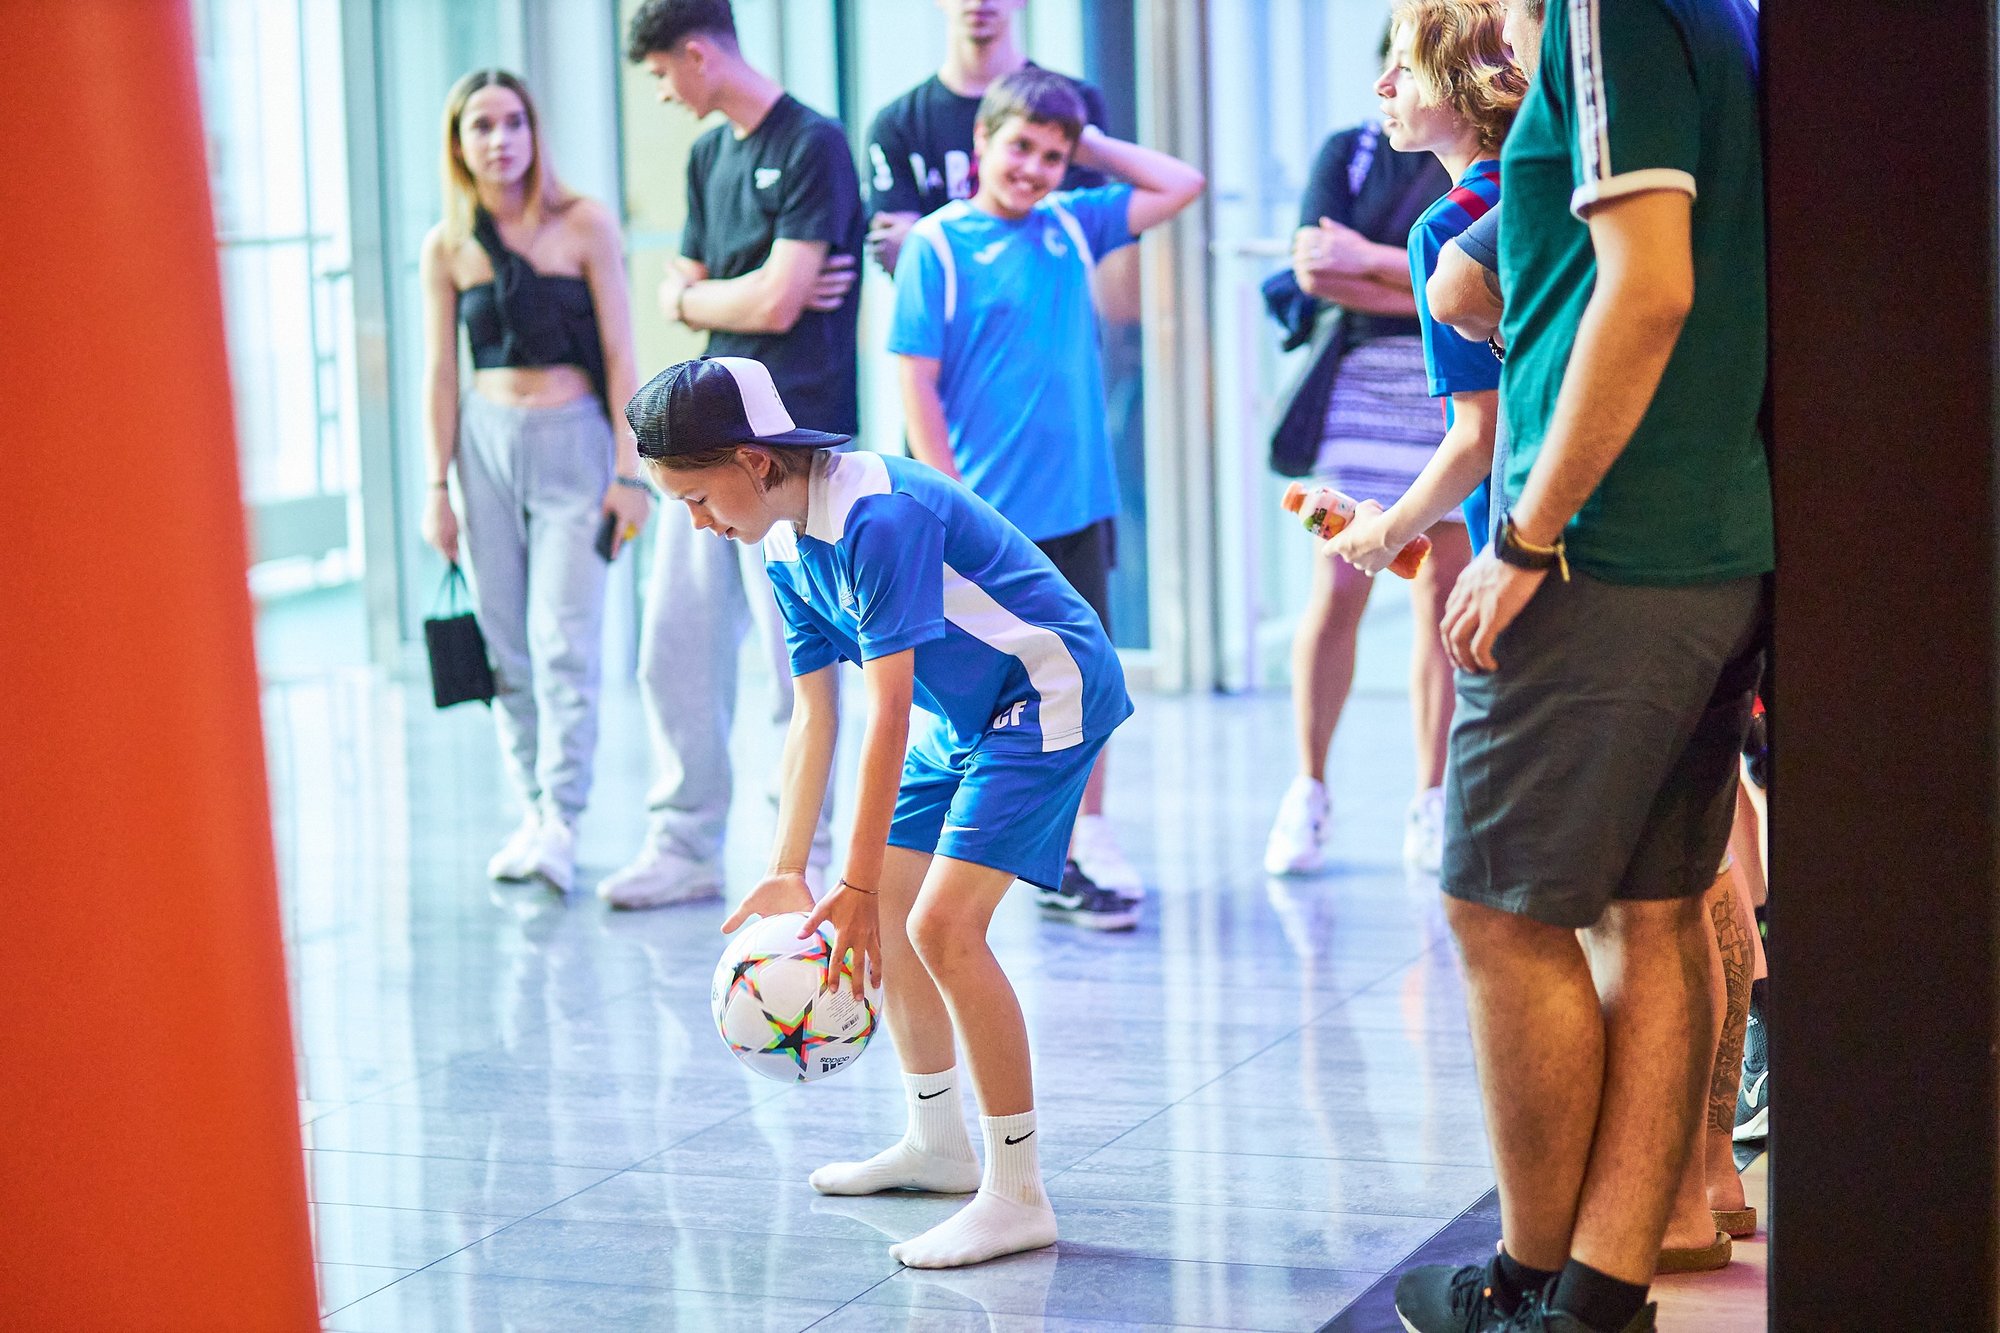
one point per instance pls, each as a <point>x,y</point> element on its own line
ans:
<point>271,81</point>
<point>1283,75</point>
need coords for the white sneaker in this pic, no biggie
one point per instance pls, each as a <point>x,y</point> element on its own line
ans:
<point>1297,845</point>
<point>1423,832</point>
<point>659,877</point>
<point>516,857</point>
<point>1096,852</point>
<point>555,855</point>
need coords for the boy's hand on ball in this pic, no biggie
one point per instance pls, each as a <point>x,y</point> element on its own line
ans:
<point>857,931</point>
<point>783,892</point>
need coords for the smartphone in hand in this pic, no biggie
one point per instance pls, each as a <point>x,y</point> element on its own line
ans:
<point>607,536</point>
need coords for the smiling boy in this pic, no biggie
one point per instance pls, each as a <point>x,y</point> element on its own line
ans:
<point>1002,380</point>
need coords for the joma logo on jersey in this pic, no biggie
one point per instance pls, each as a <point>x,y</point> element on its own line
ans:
<point>1012,717</point>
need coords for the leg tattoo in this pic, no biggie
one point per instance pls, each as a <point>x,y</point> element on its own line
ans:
<point>1733,936</point>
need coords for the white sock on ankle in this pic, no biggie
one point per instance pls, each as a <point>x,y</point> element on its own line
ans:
<point>934,1155</point>
<point>1010,1213</point>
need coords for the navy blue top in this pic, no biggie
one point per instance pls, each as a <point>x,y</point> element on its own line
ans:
<point>525,318</point>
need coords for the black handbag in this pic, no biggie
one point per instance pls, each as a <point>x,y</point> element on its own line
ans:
<point>1299,419</point>
<point>460,672</point>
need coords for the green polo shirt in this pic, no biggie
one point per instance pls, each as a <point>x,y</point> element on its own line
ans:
<point>1636,95</point>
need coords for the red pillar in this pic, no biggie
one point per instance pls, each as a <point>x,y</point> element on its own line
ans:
<point>150,1174</point>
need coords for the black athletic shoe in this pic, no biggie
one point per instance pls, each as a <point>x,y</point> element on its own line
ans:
<point>1536,1317</point>
<point>1081,903</point>
<point>1438,1298</point>
<point>1753,1097</point>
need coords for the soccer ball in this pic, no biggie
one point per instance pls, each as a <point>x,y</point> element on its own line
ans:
<point>773,1008</point>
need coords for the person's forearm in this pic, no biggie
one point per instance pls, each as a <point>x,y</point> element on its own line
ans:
<point>1364,295</point>
<point>929,435</point>
<point>441,418</point>
<point>1386,264</point>
<point>1622,346</point>
<point>749,304</point>
<point>620,383</point>
<point>1464,295</point>
<point>1141,168</point>
<point>883,747</point>
<point>804,770</point>
<point>1464,458</point>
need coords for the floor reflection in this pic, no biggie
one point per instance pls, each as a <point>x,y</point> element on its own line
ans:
<point>517,1114</point>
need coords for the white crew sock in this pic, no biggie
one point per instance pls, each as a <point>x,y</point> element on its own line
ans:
<point>934,1155</point>
<point>1010,1213</point>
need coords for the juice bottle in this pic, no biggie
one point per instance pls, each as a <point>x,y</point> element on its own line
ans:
<point>1325,511</point>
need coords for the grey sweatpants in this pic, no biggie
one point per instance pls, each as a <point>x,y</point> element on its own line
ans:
<point>532,482</point>
<point>704,594</point>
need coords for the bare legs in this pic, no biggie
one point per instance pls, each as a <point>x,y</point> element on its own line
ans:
<point>1323,656</point>
<point>947,929</point>
<point>1594,1050</point>
<point>944,988</point>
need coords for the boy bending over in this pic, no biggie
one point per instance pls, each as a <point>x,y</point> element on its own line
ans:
<point>945,605</point>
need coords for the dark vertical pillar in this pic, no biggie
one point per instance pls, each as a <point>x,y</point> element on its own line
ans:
<point>1880,138</point>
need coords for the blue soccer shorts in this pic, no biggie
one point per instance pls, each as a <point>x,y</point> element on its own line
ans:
<point>1010,809</point>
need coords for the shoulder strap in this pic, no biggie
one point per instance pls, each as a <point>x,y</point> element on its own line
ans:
<point>1361,157</point>
<point>1384,211</point>
<point>1075,231</point>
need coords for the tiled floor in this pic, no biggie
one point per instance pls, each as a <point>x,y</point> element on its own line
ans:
<point>518,1116</point>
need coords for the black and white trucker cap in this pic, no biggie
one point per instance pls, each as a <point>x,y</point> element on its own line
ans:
<point>713,403</point>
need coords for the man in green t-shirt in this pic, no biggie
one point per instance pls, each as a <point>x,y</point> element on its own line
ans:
<point>1607,645</point>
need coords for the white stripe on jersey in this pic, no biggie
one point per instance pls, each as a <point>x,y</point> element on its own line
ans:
<point>1593,127</point>
<point>1599,181</point>
<point>932,230</point>
<point>1057,679</point>
<point>839,481</point>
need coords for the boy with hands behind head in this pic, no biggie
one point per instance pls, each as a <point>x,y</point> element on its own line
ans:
<point>1003,383</point>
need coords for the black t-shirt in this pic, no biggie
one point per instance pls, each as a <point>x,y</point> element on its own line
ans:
<point>1359,181</point>
<point>790,179</point>
<point>920,148</point>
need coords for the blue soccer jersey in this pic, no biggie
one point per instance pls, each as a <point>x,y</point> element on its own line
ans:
<point>1454,363</point>
<point>1004,307</point>
<point>895,555</point>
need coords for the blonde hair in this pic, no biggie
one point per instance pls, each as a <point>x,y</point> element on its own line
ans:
<point>1462,63</point>
<point>541,192</point>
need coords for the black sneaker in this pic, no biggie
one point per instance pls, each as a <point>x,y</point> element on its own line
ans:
<point>1081,903</point>
<point>1535,1317</point>
<point>1438,1298</point>
<point>1753,1097</point>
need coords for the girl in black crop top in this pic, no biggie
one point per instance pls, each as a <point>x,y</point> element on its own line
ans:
<point>543,457</point>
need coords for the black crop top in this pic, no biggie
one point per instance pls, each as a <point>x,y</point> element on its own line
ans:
<point>525,318</point>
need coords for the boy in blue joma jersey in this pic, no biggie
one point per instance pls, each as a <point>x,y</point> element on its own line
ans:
<point>997,339</point>
<point>945,606</point>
